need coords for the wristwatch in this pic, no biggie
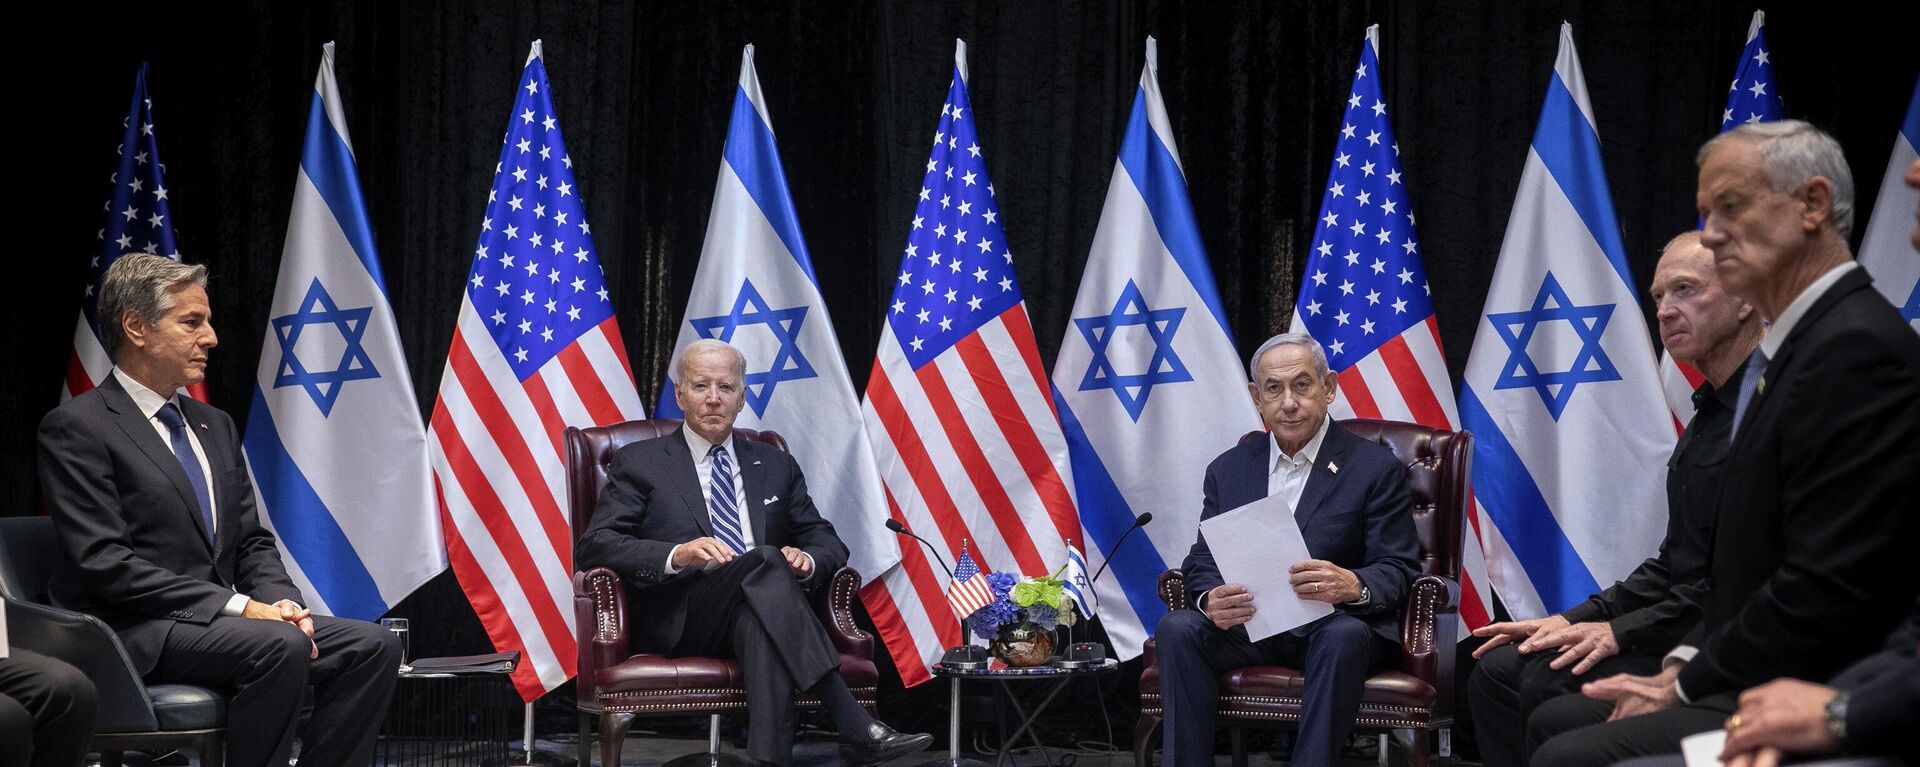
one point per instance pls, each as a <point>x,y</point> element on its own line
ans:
<point>1366,597</point>
<point>1837,718</point>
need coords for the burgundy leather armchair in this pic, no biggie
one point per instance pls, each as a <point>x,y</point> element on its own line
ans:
<point>1417,696</point>
<point>617,682</point>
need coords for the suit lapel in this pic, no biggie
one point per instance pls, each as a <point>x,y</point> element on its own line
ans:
<point>1853,280</point>
<point>753,484</point>
<point>686,481</point>
<point>1324,474</point>
<point>139,429</point>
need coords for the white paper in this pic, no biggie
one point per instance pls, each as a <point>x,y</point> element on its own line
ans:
<point>1253,546</point>
<point>1703,750</point>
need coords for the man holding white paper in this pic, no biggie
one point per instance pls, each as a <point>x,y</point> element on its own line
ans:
<point>1349,499</point>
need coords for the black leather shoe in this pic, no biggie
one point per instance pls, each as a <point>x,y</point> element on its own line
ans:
<point>882,744</point>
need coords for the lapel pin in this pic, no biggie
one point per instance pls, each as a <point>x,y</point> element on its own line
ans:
<point>1760,386</point>
<point>1333,468</point>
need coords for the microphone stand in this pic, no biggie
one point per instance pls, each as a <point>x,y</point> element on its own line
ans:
<point>965,655</point>
<point>1084,654</point>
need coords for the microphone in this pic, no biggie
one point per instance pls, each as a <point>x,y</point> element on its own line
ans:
<point>895,526</point>
<point>965,655</point>
<point>1082,654</point>
<point>1138,522</point>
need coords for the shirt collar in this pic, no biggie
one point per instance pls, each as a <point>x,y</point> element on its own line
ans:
<point>1783,325</point>
<point>1277,459</point>
<point>144,398</point>
<point>699,445</point>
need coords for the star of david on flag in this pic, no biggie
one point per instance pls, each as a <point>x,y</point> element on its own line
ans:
<point>1590,363</point>
<point>334,440</point>
<point>322,382</point>
<point>788,363</point>
<point>1148,383</point>
<point>1163,364</point>
<point>756,289</point>
<point>1562,402</point>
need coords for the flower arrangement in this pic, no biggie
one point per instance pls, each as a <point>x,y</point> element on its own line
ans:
<point>1019,600</point>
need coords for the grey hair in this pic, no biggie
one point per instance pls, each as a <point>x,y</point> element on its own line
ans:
<point>1793,152</point>
<point>1301,340</point>
<point>710,345</point>
<point>141,283</point>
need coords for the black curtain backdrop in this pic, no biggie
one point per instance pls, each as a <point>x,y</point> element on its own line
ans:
<point>1256,93</point>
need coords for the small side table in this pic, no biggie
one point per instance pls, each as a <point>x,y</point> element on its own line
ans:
<point>453,719</point>
<point>1006,676</point>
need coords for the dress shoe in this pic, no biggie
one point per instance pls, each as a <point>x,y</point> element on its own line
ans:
<point>882,744</point>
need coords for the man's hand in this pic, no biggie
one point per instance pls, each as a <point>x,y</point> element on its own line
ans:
<point>1581,645</point>
<point>1784,715</point>
<point>699,551</point>
<point>1229,605</point>
<point>1323,581</point>
<point>287,612</point>
<point>261,611</point>
<point>292,612</point>
<point>1514,631</point>
<point>1633,695</point>
<point>797,561</point>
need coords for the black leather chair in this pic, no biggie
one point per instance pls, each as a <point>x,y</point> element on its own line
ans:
<point>132,715</point>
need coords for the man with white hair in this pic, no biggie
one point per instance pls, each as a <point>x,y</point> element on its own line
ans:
<point>1816,525</point>
<point>717,542</point>
<point>1349,496</point>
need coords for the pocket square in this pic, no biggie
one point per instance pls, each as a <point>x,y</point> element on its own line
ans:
<point>769,500</point>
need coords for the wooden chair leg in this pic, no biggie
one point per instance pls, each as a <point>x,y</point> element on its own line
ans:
<point>1417,751</point>
<point>213,749</point>
<point>613,735</point>
<point>1143,732</point>
<point>584,756</point>
<point>1239,737</point>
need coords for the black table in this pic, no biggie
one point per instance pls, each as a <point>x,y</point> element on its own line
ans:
<point>450,718</point>
<point>1007,676</point>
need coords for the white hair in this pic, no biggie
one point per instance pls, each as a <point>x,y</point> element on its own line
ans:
<point>1793,152</point>
<point>710,345</point>
<point>1301,340</point>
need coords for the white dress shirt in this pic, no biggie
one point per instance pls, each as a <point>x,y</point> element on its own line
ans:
<point>150,403</point>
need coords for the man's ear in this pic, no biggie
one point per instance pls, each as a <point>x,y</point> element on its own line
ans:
<point>1817,196</point>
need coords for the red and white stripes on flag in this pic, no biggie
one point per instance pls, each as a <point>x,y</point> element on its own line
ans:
<point>958,408</point>
<point>1677,381</point>
<point>969,590</point>
<point>535,349</point>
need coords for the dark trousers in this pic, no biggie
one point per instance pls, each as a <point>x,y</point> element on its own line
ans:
<point>1506,687</point>
<point>1573,731</point>
<point>1334,654</point>
<point>754,610</point>
<point>266,666</point>
<point>46,711</point>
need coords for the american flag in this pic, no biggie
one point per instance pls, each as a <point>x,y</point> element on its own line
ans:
<point>958,407</point>
<point>535,350</point>
<point>1751,98</point>
<point>139,219</point>
<point>969,590</point>
<point>1365,296</point>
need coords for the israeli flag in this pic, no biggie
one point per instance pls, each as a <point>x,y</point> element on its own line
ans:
<point>756,289</point>
<point>1073,580</point>
<point>334,439</point>
<point>1571,432</point>
<point>1148,384</point>
<point>1887,251</point>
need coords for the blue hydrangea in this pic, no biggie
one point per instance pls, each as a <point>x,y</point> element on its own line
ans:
<point>1044,616</point>
<point>987,621</point>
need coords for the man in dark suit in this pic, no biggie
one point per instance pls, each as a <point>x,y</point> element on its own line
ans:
<point>1628,627</point>
<point>155,515</point>
<point>1350,500</point>
<point>46,707</point>
<point>718,541</point>
<point>1815,531</point>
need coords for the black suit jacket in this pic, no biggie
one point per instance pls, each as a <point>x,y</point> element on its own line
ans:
<point>1885,695</point>
<point>1818,522</point>
<point>1358,517</point>
<point>129,525</point>
<point>652,502</point>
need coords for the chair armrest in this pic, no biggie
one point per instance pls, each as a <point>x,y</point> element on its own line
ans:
<point>1173,589</point>
<point>1429,628</point>
<point>600,618</point>
<point>86,643</point>
<point>834,605</point>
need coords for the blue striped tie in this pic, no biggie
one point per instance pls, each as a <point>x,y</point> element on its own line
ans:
<point>720,503</point>
<point>169,414</point>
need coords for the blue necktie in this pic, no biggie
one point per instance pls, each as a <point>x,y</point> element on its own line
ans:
<point>1756,369</point>
<point>720,502</point>
<point>183,451</point>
